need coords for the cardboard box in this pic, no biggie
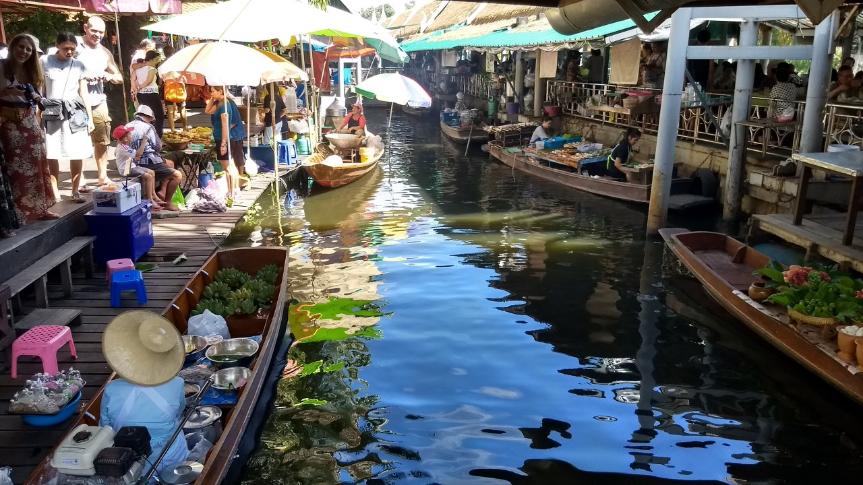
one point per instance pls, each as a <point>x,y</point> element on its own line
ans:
<point>115,202</point>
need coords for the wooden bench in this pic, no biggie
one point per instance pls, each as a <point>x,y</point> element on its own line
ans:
<point>7,333</point>
<point>62,257</point>
<point>48,316</point>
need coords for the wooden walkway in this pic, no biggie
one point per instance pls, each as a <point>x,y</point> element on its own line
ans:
<point>819,234</point>
<point>195,235</point>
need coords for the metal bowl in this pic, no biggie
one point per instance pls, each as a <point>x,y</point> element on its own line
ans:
<point>344,141</point>
<point>194,346</point>
<point>232,352</point>
<point>231,379</point>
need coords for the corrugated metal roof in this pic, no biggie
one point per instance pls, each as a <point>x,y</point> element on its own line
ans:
<point>536,33</point>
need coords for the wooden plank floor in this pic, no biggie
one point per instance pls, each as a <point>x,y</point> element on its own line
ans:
<point>195,235</point>
<point>819,234</point>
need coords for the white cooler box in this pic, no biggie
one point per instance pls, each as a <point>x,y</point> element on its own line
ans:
<point>115,202</point>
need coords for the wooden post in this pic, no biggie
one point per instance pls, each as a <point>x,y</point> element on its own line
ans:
<point>2,27</point>
<point>519,79</point>
<point>740,112</point>
<point>669,121</point>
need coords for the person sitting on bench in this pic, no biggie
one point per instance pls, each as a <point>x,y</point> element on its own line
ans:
<point>125,159</point>
<point>167,178</point>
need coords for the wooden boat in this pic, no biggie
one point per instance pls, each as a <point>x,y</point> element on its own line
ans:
<point>607,187</point>
<point>236,419</point>
<point>681,197</point>
<point>338,175</point>
<point>724,267</point>
<point>461,135</point>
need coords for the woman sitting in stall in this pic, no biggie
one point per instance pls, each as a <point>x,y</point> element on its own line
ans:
<point>621,154</point>
<point>541,131</point>
<point>147,352</point>
<point>354,122</point>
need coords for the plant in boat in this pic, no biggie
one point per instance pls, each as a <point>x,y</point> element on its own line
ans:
<point>234,278</point>
<point>262,292</point>
<point>242,302</point>
<point>217,290</point>
<point>268,274</point>
<point>815,292</point>
<point>217,306</point>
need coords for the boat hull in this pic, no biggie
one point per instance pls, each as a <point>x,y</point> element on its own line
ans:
<point>462,135</point>
<point>702,253</point>
<point>337,176</point>
<point>614,189</point>
<point>224,451</point>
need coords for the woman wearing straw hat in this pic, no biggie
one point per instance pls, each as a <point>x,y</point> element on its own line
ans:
<point>146,351</point>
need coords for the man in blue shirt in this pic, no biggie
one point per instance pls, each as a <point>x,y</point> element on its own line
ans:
<point>167,178</point>
<point>228,133</point>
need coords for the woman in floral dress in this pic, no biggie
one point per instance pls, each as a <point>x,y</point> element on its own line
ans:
<point>9,220</point>
<point>21,132</point>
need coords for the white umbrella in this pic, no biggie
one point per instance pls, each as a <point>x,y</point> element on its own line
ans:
<point>395,88</point>
<point>228,64</point>
<point>259,20</point>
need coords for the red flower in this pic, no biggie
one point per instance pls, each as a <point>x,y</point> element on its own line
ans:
<point>859,294</point>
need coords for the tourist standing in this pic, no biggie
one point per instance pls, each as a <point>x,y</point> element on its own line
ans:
<point>228,133</point>
<point>100,67</point>
<point>21,132</point>
<point>9,220</point>
<point>147,86</point>
<point>67,137</point>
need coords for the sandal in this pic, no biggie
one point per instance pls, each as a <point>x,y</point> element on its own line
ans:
<point>85,189</point>
<point>6,233</point>
<point>47,216</point>
<point>78,199</point>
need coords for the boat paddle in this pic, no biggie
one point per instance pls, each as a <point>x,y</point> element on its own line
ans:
<point>469,134</point>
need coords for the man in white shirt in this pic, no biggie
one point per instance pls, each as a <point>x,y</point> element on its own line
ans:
<point>100,65</point>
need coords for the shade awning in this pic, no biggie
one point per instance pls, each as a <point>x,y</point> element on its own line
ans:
<point>538,34</point>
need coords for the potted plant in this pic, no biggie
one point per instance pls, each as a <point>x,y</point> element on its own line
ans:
<point>816,297</point>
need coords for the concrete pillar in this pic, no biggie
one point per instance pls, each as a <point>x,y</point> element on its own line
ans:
<point>669,120</point>
<point>538,85</point>
<point>740,112</point>
<point>519,78</point>
<point>819,81</point>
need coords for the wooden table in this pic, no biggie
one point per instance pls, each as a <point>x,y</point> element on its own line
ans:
<point>849,164</point>
<point>192,163</point>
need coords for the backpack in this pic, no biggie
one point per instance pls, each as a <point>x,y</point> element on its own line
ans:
<point>175,92</point>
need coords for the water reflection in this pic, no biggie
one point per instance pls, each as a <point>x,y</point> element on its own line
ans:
<point>459,323</point>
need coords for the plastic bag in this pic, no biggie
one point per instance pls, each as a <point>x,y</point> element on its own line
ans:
<point>199,450</point>
<point>208,323</point>
<point>178,199</point>
<point>251,167</point>
<point>6,475</point>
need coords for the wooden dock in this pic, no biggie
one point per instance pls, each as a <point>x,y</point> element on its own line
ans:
<point>819,234</point>
<point>195,235</point>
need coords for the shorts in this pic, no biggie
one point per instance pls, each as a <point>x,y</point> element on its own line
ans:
<point>102,123</point>
<point>140,171</point>
<point>237,154</point>
<point>162,171</point>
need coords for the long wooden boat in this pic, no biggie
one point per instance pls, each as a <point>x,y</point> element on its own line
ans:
<point>462,135</point>
<point>681,197</point>
<point>236,419</point>
<point>724,267</point>
<point>607,187</point>
<point>338,175</point>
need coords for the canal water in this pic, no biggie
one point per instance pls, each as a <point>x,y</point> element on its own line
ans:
<point>460,323</point>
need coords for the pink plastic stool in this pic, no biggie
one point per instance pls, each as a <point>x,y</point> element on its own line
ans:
<point>115,265</point>
<point>42,341</point>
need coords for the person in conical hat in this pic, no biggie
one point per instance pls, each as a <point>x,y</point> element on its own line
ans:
<point>146,352</point>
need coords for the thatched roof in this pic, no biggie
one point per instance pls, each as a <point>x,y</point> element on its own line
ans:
<point>408,22</point>
<point>453,14</point>
<point>497,11</point>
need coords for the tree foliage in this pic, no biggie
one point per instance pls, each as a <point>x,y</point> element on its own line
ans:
<point>44,24</point>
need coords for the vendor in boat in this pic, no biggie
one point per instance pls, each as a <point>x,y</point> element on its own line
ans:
<point>146,351</point>
<point>621,154</point>
<point>541,131</point>
<point>355,121</point>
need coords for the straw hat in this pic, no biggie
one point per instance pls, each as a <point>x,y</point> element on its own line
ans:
<point>143,348</point>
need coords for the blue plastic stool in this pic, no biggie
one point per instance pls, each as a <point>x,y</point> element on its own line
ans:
<point>125,281</point>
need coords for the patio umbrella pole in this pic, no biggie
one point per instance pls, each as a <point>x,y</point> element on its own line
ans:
<point>120,58</point>
<point>273,138</point>
<point>249,123</point>
<point>389,122</point>
<point>316,112</point>
<point>308,84</point>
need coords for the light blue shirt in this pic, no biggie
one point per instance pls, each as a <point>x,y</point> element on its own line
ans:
<point>158,408</point>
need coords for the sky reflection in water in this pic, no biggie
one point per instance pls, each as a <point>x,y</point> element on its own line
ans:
<point>528,336</point>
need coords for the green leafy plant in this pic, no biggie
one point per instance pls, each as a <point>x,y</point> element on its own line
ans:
<point>242,302</point>
<point>217,290</point>
<point>219,307</point>
<point>268,274</point>
<point>815,292</point>
<point>234,278</point>
<point>261,291</point>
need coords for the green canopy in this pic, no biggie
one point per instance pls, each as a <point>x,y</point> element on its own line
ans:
<point>509,38</point>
